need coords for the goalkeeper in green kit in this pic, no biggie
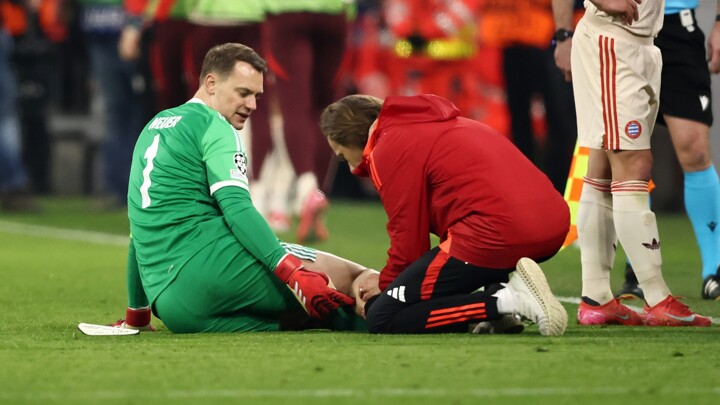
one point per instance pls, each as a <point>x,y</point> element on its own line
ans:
<point>201,257</point>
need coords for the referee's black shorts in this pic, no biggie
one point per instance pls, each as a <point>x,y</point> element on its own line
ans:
<point>685,88</point>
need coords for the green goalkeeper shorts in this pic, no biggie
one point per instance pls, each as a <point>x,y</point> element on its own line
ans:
<point>224,288</point>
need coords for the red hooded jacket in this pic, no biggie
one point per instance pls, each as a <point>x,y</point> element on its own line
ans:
<point>461,180</point>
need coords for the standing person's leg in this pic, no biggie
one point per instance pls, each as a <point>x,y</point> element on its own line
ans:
<point>166,60</point>
<point>561,123</point>
<point>636,227</point>
<point>702,195</point>
<point>328,40</point>
<point>629,125</point>
<point>290,56</point>
<point>686,109</point>
<point>35,74</point>
<point>596,230</point>
<point>196,46</point>
<point>12,173</point>
<point>129,111</point>
<point>598,239</point>
<point>595,219</point>
<point>631,162</point>
<point>103,73</point>
<point>635,223</point>
<point>519,86</point>
<point>261,144</point>
<point>123,114</point>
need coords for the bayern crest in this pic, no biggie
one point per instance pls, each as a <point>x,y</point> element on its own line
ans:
<point>241,163</point>
<point>633,129</point>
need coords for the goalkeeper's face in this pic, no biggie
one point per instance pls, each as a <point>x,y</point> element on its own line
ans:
<point>235,97</point>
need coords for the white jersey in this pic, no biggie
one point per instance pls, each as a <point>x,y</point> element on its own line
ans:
<point>648,24</point>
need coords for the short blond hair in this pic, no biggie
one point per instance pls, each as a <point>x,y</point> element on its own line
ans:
<point>221,59</point>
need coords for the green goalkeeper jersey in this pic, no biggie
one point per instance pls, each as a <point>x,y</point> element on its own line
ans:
<point>182,159</point>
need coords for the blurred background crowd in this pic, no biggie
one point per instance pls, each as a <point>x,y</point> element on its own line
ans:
<point>80,78</point>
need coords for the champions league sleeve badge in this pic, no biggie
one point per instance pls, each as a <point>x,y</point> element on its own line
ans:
<point>241,163</point>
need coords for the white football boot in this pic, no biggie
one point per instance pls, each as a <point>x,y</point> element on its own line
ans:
<point>534,300</point>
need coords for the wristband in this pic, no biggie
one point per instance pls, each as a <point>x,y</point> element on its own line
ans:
<point>138,317</point>
<point>287,266</point>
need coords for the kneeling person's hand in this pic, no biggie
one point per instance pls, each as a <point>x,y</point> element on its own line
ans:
<point>310,288</point>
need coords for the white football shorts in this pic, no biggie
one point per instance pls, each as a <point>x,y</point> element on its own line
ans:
<point>616,79</point>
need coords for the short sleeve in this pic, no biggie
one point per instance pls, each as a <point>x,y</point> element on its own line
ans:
<point>225,157</point>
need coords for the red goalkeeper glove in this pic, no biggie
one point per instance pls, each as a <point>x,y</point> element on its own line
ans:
<point>310,288</point>
<point>136,319</point>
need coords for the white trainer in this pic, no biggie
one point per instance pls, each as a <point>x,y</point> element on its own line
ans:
<point>535,302</point>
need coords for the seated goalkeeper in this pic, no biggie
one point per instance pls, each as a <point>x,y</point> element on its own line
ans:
<point>201,255</point>
<point>494,212</point>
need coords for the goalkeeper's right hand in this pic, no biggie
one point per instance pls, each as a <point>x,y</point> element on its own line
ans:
<point>310,288</point>
<point>136,319</point>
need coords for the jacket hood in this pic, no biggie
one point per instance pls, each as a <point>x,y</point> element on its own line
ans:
<point>416,109</point>
<point>401,110</point>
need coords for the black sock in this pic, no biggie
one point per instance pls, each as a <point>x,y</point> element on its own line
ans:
<point>590,301</point>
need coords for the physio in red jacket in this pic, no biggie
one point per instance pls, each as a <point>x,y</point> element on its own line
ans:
<point>493,210</point>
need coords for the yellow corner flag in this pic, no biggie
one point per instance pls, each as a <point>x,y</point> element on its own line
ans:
<point>573,188</point>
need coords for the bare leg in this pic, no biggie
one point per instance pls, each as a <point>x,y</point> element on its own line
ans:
<point>348,277</point>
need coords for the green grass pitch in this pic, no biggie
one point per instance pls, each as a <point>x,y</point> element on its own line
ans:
<point>53,278</point>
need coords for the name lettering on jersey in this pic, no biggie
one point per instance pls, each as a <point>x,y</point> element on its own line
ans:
<point>165,122</point>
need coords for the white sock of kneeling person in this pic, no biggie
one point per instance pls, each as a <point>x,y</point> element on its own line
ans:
<point>506,303</point>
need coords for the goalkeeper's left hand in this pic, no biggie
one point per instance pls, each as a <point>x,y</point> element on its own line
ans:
<point>310,288</point>
<point>136,319</point>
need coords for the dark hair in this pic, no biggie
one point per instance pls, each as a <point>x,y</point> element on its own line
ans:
<point>221,59</point>
<point>348,120</point>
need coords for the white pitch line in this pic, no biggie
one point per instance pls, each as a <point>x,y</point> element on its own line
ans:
<point>569,300</point>
<point>509,392</point>
<point>99,238</point>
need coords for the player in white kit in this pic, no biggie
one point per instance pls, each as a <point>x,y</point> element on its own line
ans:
<point>616,74</point>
